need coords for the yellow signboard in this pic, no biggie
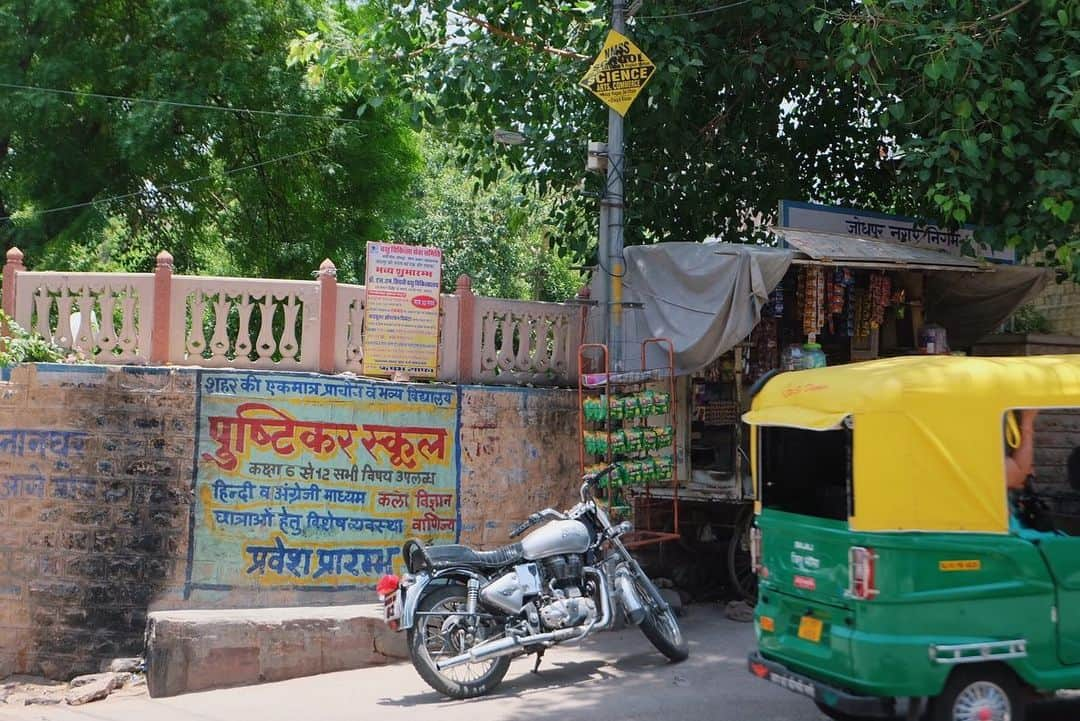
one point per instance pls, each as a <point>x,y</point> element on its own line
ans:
<point>619,73</point>
<point>401,310</point>
<point>973,565</point>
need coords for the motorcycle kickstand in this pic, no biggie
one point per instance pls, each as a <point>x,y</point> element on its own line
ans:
<point>539,658</point>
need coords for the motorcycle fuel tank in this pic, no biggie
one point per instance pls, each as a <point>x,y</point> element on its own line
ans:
<point>556,538</point>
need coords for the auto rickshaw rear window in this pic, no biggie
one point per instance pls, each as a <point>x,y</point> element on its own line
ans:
<point>806,472</point>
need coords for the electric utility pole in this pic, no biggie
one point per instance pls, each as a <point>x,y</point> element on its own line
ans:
<point>616,77</point>
<point>612,200</point>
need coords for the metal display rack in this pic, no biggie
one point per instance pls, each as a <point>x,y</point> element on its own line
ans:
<point>610,392</point>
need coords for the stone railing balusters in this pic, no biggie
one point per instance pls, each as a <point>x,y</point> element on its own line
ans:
<point>315,325</point>
<point>526,342</point>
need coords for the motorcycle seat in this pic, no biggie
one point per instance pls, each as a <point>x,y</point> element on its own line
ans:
<point>437,558</point>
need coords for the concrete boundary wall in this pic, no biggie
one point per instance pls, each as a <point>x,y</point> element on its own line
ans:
<point>97,470</point>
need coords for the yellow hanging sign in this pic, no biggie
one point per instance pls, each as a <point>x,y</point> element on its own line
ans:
<point>619,73</point>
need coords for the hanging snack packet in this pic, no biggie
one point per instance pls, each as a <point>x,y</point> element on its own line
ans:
<point>645,399</point>
<point>661,403</point>
<point>655,472</point>
<point>620,441</point>
<point>666,466</point>
<point>593,408</point>
<point>615,408</point>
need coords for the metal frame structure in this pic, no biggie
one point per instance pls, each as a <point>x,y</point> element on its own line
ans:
<point>666,373</point>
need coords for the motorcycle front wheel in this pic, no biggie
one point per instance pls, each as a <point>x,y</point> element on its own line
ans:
<point>440,633</point>
<point>659,624</point>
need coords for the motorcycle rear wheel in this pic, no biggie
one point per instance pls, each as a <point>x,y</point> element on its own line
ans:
<point>440,636</point>
<point>660,625</point>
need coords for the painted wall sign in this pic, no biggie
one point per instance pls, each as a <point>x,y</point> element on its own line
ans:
<point>304,481</point>
<point>401,311</point>
<point>887,228</point>
<point>619,73</point>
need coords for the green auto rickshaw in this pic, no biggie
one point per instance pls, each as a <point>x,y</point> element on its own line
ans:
<point>899,576</point>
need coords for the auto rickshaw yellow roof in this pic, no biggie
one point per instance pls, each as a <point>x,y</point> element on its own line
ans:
<point>928,448</point>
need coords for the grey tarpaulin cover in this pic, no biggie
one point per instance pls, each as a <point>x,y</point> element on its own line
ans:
<point>970,305</point>
<point>705,297</point>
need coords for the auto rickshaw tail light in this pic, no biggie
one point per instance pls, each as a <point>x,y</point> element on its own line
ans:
<point>862,570</point>
<point>755,549</point>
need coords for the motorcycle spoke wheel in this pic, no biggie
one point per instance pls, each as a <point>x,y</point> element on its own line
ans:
<point>443,633</point>
<point>660,625</point>
<point>445,636</point>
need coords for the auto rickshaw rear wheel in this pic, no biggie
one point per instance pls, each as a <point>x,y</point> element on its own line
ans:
<point>981,693</point>
<point>740,565</point>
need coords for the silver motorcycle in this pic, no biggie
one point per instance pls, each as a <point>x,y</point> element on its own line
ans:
<point>467,612</point>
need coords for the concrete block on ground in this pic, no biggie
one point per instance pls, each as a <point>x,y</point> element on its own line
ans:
<point>197,650</point>
<point>91,688</point>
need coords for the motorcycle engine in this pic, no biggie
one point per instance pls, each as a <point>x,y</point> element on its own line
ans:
<point>564,571</point>
<point>565,612</point>
<point>566,605</point>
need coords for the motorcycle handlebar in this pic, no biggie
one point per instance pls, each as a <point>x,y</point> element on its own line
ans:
<point>524,525</point>
<point>591,479</point>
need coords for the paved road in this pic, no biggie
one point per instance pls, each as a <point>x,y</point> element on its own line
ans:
<point>612,677</point>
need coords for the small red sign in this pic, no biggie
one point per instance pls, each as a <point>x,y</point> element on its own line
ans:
<point>806,583</point>
<point>424,301</point>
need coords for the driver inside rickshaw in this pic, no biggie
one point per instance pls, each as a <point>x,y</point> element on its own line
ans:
<point>1032,512</point>
<point>1029,514</point>
<point>1019,448</point>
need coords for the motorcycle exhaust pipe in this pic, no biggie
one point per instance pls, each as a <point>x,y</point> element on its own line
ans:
<point>628,595</point>
<point>507,646</point>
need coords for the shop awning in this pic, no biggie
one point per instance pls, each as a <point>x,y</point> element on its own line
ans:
<point>704,297</point>
<point>795,417</point>
<point>858,252</point>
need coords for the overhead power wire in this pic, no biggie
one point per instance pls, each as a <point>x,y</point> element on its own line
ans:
<point>692,13</point>
<point>174,103</point>
<point>168,186</point>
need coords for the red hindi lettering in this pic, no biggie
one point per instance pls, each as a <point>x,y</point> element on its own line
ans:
<point>389,499</point>
<point>223,430</point>
<point>318,437</point>
<point>393,440</point>
<point>433,449</point>
<point>259,416</point>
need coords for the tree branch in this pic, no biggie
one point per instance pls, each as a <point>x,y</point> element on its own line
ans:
<point>518,40</point>
<point>1005,13</point>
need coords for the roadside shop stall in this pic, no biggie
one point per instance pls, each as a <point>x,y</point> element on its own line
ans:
<point>733,313</point>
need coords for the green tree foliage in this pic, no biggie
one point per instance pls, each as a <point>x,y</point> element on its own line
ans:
<point>339,188</point>
<point>500,235</point>
<point>18,345</point>
<point>741,112</point>
<point>984,100</point>
<point>955,110</point>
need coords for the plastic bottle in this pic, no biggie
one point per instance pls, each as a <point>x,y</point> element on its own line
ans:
<point>791,358</point>
<point>813,356</point>
<point>932,339</point>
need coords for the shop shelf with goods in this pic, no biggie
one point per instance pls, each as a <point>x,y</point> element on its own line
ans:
<point>629,419</point>
<point>714,433</point>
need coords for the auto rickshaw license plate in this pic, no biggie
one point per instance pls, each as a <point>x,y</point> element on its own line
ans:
<point>810,628</point>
